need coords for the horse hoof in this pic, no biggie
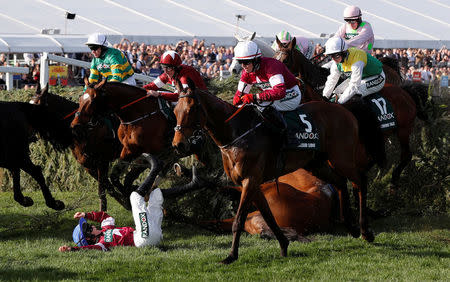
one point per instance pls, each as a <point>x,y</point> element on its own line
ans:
<point>56,205</point>
<point>368,236</point>
<point>228,260</point>
<point>355,232</point>
<point>26,202</point>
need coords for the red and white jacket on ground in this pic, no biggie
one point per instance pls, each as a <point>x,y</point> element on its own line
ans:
<point>111,235</point>
<point>275,81</point>
<point>183,75</point>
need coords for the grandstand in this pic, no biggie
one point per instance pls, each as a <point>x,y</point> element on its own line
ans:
<point>43,26</point>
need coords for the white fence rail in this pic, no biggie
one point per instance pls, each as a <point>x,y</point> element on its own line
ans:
<point>10,71</point>
<point>46,57</point>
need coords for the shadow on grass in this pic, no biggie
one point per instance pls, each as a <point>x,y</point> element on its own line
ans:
<point>41,273</point>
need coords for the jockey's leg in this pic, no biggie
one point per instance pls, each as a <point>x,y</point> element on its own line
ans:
<point>372,84</point>
<point>147,218</point>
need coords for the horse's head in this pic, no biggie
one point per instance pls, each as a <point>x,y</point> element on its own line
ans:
<point>191,118</point>
<point>40,97</point>
<point>89,107</point>
<point>287,53</point>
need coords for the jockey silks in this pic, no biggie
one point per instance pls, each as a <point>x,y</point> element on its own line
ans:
<point>113,65</point>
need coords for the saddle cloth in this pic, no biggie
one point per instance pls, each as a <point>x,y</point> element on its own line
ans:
<point>302,134</point>
<point>383,110</point>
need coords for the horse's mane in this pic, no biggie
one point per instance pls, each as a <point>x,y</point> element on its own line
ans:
<point>312,74</point>
<point>392,63</point>
<point>115,84</point>
<point>63,104</point>
<point>49,125</point>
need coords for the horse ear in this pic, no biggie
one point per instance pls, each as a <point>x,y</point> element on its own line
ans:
<point>293,43</point>
<point>38,88</point>
<point>86,81</point>
<point>278,42</point>
<point>191,84</point>
<point>45,90</point>
<point>253,36</point>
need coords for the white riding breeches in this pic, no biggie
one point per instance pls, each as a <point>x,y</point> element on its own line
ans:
<point>130,81</point>
<point>147,218</point>
<point>290,102</point>
<point>369,85</point>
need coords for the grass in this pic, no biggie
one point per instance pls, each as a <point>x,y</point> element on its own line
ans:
<point>406,248</point>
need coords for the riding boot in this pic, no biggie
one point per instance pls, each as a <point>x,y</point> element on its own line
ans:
<point>275,119</point>
<point>196,183</point>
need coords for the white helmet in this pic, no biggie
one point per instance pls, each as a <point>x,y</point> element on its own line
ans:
<point>352,13</point>
<point>97,39</point>
<point>335,45</point>
<point>246,50</point>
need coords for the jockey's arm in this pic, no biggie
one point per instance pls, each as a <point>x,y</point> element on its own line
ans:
<point>355,81</point>
<point>278,90</point>
<point>332,80</point>
<point>244,86</point>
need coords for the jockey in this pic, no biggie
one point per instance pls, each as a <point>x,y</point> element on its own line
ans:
<point>277,84</point>
<point>147,219</point>
<point>108,62</point>
<point>171,64</point>
<point>303,44</point>
<point>366,72</point>
<point>357,33</point>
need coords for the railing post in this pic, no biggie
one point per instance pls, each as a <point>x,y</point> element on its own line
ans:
<point>44,70</point>
<point>9,81</point>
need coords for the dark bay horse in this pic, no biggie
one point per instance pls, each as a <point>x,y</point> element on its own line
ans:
<point>144,128</point>
<point>96,150</point>
<point>18,124</point>
<point>250,154</point>
<point>407,100</point>
<point>301,204</point>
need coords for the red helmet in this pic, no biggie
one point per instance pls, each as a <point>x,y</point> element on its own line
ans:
<point>170,58</point>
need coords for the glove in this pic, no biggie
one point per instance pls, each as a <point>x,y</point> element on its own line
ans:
<point>237,100</point>
<point>248,98</point>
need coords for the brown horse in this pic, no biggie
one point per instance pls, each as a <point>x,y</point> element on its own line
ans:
<point>96,150</point>
<point>144,128</point>
<point>300,202</point>
<point>406,100</point>
<point>250,154</point>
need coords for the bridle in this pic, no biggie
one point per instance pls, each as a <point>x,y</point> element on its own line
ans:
<point>197,128</point>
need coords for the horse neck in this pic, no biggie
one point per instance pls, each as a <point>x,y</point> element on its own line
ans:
<point>312,74</point>
<point>217,111</point>
<point>119,98</point>
<point>62,106</point>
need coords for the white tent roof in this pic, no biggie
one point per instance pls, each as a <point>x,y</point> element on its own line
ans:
<point>417,23</point>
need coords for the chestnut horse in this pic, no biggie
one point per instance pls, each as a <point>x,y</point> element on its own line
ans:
<point>250,154</point>
<point>144,129</point>
<point>96,150</point>
<point>407,100</point>
<point>301,204</point>
<point>19,122</point>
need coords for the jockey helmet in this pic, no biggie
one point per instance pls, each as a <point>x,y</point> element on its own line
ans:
<point>284,36</point>
<point>81,233</point>
<point>335,45</point>
<point>170,58</point>
<point>97,39</point>
<point>352,13</point>
<point>246,50</point>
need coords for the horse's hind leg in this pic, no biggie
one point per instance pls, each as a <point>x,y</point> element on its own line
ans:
<point>36,172</point>
<point>366,233</point>
<point>405,156</point>
<point>155,167</point>
<point>263,207</point>
<point>18,196</point>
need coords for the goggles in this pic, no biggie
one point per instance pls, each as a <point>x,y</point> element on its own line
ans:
<point>245,62</point>
<point>94,47</point>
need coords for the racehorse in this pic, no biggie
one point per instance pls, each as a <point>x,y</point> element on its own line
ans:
<point>144,129</point>
<point>96,150</point>
<point>19,122</point>
<point>407,100</point>
<point>300,202</point>
<point>250,154</point>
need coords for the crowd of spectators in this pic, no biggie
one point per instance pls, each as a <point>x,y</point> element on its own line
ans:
<point>211,60</point>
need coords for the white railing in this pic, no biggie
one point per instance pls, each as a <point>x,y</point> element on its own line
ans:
<point>10,71</point>
<point>46,57</point>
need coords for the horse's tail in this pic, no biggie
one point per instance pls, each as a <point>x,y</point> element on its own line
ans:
<point>419,93</point>
<point>49,125</point>
<point>369,130</point>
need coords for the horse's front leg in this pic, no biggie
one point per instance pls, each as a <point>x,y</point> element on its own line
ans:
<point>248,190</point>
<point>18,196</point>
<point>262,205</point>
